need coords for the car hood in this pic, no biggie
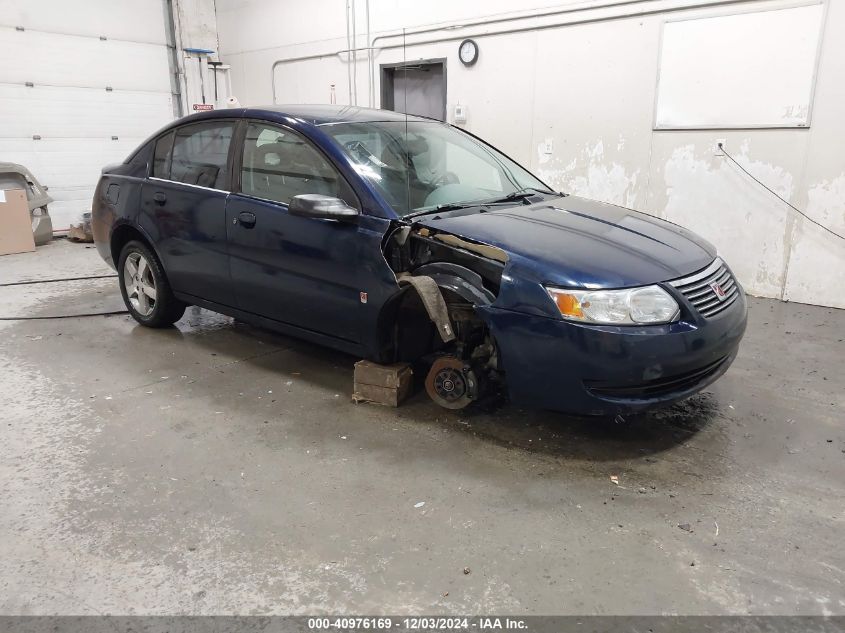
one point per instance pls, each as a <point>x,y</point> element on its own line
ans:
<point>572,242</point>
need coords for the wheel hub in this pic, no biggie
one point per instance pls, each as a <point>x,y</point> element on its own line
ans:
<point>451,383</point>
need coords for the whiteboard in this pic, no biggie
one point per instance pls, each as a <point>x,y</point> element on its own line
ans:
<point>744,70</point>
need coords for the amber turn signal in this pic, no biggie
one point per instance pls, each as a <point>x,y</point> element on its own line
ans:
<point>568,304</point>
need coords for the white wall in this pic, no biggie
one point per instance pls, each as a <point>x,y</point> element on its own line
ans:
<point>195,25</point>
<point>588,86</point>
<point>67,126</point>
<point>100,83</point>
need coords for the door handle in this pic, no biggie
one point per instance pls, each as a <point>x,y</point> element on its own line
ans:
<point>246,219</point>
<point>159,197</point>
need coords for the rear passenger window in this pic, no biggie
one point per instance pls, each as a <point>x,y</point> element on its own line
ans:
<point>200,154</point>
<point>279,164</point>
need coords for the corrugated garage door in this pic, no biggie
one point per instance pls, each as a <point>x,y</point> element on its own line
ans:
<point>81,84</point>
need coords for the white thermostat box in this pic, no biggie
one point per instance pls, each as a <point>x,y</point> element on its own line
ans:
<point>460,115</point>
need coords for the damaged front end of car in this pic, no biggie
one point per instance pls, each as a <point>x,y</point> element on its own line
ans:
<point>434,321</point>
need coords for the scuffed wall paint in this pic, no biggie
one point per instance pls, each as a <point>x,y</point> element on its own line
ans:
<point>827,203</point>
<point>817,263</point>
<point>711,196</point>
<point>591,174</point>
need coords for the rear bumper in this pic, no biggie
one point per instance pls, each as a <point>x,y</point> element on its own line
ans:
<point>605,370</point>
<point>105,252</point>
<point>42,229</point>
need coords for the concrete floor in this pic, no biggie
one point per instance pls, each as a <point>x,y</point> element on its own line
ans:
<point>217,468</point>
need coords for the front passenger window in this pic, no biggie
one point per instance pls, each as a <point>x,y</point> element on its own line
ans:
<point>279,164</point>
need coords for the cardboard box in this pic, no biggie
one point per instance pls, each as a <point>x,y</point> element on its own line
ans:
<point>15,223</point>
<point>382,384</point>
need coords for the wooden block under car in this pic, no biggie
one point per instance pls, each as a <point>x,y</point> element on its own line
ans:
<point>15,223</point>
<point>382,384</point>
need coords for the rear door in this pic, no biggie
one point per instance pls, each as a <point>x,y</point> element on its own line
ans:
<point>183,208</point>
<point>302,271</point>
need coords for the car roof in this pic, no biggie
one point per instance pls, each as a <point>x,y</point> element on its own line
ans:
<point>327,114</point>
<point>316,115</point>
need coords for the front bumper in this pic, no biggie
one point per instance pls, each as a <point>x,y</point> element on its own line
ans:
<point>605,370</point>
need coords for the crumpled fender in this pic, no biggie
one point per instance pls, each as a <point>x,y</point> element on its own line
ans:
<point>432,299</point>
<point>464,282</point>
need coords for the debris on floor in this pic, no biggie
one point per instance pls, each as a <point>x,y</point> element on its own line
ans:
<point>81,232</point>
<point>382,384</point>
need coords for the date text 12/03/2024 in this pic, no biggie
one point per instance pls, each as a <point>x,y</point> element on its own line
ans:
<point>416,623</point>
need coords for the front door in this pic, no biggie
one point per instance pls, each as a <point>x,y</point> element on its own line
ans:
<point>301,271</point>
<point>183,208</point>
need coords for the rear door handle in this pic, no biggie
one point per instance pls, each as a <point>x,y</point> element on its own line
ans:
<point>246,219</point>
<point>159,197</point>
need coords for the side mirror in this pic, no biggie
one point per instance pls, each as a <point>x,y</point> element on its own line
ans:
<point>314,205</point>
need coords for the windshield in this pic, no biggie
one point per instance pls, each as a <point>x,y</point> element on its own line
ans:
<point>431,166</point>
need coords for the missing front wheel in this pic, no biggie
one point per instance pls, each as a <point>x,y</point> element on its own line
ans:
<point>452,383</point>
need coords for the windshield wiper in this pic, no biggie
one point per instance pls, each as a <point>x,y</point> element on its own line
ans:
<point>449,206</point>
<point>522,194</point>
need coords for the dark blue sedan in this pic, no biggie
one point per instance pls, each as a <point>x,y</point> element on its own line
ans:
<point>407,239</point>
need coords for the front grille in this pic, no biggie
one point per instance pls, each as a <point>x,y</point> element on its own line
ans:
<point>699,291</point>
<point>657,387</point>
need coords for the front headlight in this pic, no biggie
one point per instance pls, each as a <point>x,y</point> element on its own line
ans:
<point>631,306</point>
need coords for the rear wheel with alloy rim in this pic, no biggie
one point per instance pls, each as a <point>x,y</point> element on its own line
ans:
<point>145,288</point>
<point>140,284</point>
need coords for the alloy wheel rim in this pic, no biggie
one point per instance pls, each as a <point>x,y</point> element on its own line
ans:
<point>140,284</point>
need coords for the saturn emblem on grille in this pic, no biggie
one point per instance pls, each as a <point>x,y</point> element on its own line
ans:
<point>719,291</point>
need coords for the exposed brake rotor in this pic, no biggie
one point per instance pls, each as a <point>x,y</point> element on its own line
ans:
<point>451,383</point>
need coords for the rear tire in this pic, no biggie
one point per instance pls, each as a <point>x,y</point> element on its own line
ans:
<point>145,289</point>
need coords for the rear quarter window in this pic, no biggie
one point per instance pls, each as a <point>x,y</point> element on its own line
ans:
<point>139,162</point>
<point>161,158</point>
